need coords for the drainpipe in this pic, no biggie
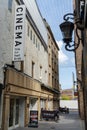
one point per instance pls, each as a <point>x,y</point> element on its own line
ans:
<point>79,14</point>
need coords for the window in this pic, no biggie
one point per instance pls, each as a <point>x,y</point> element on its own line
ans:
<point>52,81</point>
<point>38,46</point>
<point>34,39</point>
<point>32,73</point>
<point>49,46</point>
<point>36,42</point>
<point>40,72</point>
<point>31,34</point>
<point>28,29</point>
<point>10,5</point>
<point>49,78</point>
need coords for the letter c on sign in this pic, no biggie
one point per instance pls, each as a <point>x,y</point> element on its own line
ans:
<point>20,9</point>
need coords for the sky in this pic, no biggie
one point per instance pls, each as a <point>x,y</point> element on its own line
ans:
<point>53,11</point>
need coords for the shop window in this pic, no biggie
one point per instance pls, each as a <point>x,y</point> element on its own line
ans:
<point>11,114</point>
<point>17,112</point>
<point>14,112</point>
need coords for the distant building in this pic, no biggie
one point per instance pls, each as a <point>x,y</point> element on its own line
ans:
<point>68,94</point>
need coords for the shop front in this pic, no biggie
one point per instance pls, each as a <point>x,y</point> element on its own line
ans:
<point>22,94</point>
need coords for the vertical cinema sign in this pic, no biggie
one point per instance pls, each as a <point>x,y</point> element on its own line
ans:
<point>19,31</point>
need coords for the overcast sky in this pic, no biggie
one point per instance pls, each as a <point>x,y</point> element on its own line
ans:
<point>53,11</point>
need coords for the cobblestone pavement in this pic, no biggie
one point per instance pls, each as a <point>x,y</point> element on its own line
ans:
<point>69,121</point>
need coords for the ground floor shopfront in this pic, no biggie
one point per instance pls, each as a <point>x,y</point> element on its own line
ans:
<point>22,94</point>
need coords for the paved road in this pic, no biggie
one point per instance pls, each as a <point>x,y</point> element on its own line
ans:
<point>69,121</point>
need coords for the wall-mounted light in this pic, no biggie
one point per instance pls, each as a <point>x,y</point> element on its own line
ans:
<point>67,26</point>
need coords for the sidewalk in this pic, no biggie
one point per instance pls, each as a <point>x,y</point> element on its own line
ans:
<point>69,121</point>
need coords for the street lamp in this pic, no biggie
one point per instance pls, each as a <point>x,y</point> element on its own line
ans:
<point>67,27</point>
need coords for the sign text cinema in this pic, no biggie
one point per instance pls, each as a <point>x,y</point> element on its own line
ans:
<point>19,33</point>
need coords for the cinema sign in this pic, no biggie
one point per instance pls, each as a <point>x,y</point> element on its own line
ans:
<point>19,33</point>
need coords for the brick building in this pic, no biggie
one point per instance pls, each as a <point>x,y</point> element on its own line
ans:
<point>68,94</point>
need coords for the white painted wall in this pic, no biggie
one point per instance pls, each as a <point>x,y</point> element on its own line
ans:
<point>33,10</point>
<point>39,57</point>
<point>31,52</point>
<point>72,104</point>
<point>6,36</point>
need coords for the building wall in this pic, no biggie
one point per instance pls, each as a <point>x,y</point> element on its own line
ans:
<point>53,63</point>
<point>35,52</point>
<point>6,36</point>
<point>22,87</point>
<point>32,52</point>
<point>78,55</point>
<point>78,61</point>
<point>31,5</point>
<point>85,77</point>
<point>19,81</point>
<point>53,71</point>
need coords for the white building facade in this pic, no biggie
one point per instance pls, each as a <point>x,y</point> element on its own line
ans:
<point>24,80</point>
<point>33,46</point>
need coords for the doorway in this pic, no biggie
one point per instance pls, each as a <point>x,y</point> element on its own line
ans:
<point>14,113</point>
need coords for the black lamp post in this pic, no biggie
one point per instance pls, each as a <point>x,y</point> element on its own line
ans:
<point>67,28</point>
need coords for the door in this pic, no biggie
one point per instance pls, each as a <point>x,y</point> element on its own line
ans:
<point>14,113</point>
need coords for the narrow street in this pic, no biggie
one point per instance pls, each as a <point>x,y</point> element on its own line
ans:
<point>69,121</point>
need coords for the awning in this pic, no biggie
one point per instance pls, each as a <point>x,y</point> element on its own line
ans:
<point>50,89</point>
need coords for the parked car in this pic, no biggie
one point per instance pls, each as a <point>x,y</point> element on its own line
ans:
<point>64,109</point>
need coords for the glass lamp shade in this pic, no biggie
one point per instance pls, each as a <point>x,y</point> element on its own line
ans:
<point>67,30</point>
